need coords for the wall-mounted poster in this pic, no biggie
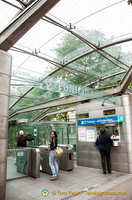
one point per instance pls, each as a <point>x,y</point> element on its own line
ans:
<point>82,135</point>
<point>86,134</point>
<point>90,134</point>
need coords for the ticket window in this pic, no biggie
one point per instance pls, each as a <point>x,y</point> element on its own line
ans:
<point>112,130</point>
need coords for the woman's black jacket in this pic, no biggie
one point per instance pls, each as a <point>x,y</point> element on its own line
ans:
<point>53,143</point>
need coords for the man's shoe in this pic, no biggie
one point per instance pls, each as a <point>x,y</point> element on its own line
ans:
<point>104,172</point>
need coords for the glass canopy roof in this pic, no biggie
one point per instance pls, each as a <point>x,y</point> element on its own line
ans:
<point>84,44</point>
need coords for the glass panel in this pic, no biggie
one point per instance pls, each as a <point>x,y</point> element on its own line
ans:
<point>37,96</point>
<point>102,15</point>
<point>4,18</point>
<point>112,81</point>
<point>41,40</point>
<point>16,3</point>
<point>64,56</point>
<point>13,99</point>
<point>72,138</point>
<point>17,164</point>
<point>32,69</point>
<point>121,52</point>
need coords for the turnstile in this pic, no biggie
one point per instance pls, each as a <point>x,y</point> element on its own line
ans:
<point>27,162</point>
<point>35,163</point>
<point>65,162</point>
<point>44,161</point>
<point>21,162</point>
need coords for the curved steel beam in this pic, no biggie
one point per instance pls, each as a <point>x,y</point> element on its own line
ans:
<point>36,118</point>
<point>56,112</point>
<point>50,104</point>
<point>24,22</point>
<point>103,78</point>
<point>21,97</point>
<point>101,47</point>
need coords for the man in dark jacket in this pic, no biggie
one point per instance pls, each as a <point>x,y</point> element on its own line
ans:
<point>22,139</point>
<point>105,144</point>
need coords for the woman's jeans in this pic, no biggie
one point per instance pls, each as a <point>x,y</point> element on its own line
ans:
<point>53,164</point>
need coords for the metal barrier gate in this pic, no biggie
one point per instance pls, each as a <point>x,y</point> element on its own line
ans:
<point>23,162</point>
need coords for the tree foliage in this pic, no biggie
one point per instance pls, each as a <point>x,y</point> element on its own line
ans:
<point>93,65</point>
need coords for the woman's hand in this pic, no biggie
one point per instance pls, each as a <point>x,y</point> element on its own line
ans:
<point>48,149</point>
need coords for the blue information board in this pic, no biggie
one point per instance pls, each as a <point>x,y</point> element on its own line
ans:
<point>102,120</point>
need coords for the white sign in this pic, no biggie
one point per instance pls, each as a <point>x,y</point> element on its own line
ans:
<point>20,154</point>
<point>35,132</point>
<point>90,134</point>
<point>82,135</point>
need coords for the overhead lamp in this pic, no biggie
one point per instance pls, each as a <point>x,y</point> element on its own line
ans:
<point>106,99</point>
<point>103,101</point>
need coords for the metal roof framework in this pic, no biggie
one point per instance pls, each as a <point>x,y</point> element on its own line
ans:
<point>28,14</point>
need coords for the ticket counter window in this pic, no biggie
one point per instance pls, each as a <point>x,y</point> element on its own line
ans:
<point>115,136</point>
<point>112,130</point>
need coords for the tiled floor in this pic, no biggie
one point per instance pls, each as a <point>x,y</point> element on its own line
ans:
<point>79,180</point>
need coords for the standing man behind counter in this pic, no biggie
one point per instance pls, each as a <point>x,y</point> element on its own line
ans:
<point>115,136</point>
<point>105,143</point>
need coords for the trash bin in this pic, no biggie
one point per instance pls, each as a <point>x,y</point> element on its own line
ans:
<point>66,161</point>
<point>35,162</point>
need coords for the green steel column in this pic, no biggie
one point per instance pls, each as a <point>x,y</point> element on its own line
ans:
<point>5,73</point>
